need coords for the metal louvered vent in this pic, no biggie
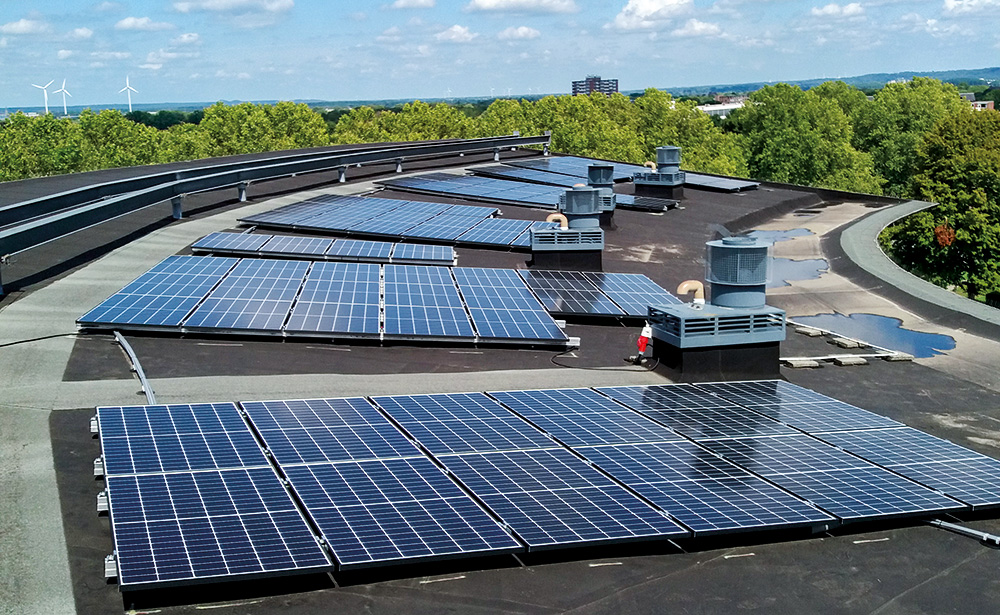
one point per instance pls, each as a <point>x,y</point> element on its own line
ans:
<point>738,261</point>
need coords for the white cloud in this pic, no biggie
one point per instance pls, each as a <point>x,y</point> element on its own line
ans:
<point>518,33</point>
<point>108,6</point>
<point>110,55</point>
<point>24,26</point>
<point>391,35</point>
<point>917,23</point>
<point>413,4</point>
<point>646,14</point>
<point>267,6</point>
<point>456,34</point>
<point>526,6</point>
<point>161,56</point>
<point>853,9</point>
<point>970,6</point>
<point>151,66</point>
<point>63,54</point>
<point>424,50</point>
<point>694,28</point>
<point>144,24</point>
<point>221,74</point>
<point>188,38</point>
<point>81,33</point>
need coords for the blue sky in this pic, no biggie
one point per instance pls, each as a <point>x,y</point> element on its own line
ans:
<point>208,50</point>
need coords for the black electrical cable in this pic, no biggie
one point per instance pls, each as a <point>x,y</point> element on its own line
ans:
<point>36,339</point>
<point>600,369</point>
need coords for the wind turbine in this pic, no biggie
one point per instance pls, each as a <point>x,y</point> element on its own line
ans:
<point>65,94</point>
<point>44,89</point>
<point>128,89</point>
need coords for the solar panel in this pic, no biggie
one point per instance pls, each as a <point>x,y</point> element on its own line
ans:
<point>318,430</point>
<point>257,294</point>
<point>527,174</point>
<point>502,307</point>
<point>296,246</point>
<point>423,301</point>
<point>582,417</point>
<point>150,439</point>
<point>495,231</point>
<point>361,250</point>
<point>763,392</point>
<point>341,298</point>
<point>549,497</point>
<point>229,242</point>
<point>632,292</point>
<point>723,184</point>
<point>461,423</point>
<point>215,524</point>
<point>389,510</point>
<point>164,295</point>
<point>472,187</point>
<point>576,166</point>
<point>665,397</point>
<point>837,482</point>
<point>398,221</point>
<point>569,292</point>
<point>825,416</point>
<point>418,253</point>
<point>443,227</point>
<point>704,492</point>
<point>524,239</point>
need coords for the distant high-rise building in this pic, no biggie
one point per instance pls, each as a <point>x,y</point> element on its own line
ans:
<point>594,83</point>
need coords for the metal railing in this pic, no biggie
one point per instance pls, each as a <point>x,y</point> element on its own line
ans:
<point>30,223</point>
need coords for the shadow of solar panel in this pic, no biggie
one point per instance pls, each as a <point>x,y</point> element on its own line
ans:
<point>461,423</point>
<point>665,397</point>
<point>502,307</point>
<point>633,292</point>
<point>582,417</point>
<point>175,438</point>
<point>423,301</point>
<point>338,298</point>
<point>162,296</point>
<point>551,498</point>
<point>395,510</point>
<point>216,524</point>
<point>705,493</point>
<point>257,295</point>
<point>569,292</point>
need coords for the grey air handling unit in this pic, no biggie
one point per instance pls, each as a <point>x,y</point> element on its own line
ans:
<point>737,335</point>
<point>602,177</point>
<point>667,180</point>
<point>579,244</point>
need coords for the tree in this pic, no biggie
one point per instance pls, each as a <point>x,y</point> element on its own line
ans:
<point>111,140</point>
<point>893,125</point>
<point>39,146</point>
<point>852,101</point>
<point>802,138</point>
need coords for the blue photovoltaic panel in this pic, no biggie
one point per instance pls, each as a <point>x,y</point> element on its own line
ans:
<point>952,469</point>
<point>837,482</point>
<point>763,392</point>
<point>502,307</point>
<point>705,493</point>
<point>443,227</point>
<point>354,248</point>
<point>398,221</point>
<point>162,296</point>
<point>423,301</point>
<point>582,417</point>
<point>461,423</point>
<point>665,397</point>
<point>724,184</point>
<point>305,431</point>
<point>175,438</point>
<point>576,166</point>
<point>528,174</point>
<point>257,294</point>
<point>183,527</point>
<point>472,187</point>
<point>524,239</point>
<point>633,292</point>
<point>338,298</point>
<point>494,231</point>
<point>475,212</point>
<point>296,246</point>
<point>423,253</point>
<point>569,292</point>
<point>549,498</point>
<point>289,215</point>
<point>229,242</point>
<point>394,510</point>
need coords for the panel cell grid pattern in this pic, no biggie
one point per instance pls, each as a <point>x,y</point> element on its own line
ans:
<point>381,511</point>
<point>423,301</point>
<point>576,166</point>
<point>582,417</point>
<point>296,246</point>
<point>327,430</point>
<point>423,253</point>
<point>339,297</point>
<point>569,292</point>
<point>502,307</point>
<point>175,438</point>
<point>185,526</point>
<point>705,493</point>
<point>356,248</point>
<point>257,294</point>
<point>632,292</point>
<point>469,186</point>
<point>164,295</point>
<point>551,498</point>
<point>227,242</point>
<point>449,424</point>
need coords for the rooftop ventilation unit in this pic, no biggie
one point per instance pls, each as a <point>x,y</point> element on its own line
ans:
<point>667,180</point>
<point>578,246</point>
<point>738,268</point>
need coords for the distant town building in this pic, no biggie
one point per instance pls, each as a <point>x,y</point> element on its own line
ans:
<point>728,99</point>
<point>722,110</point>
<point>594,83</point>
<point>980,105</point>
<point>969,96</point>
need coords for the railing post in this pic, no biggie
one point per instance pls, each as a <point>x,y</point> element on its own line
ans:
<point>242,188</point>
<point>496,154</point>
<point>399,165</point>
<point>545,146</point>
<point>175,203</point>
<point>341,174</point>
<point>516,133</point>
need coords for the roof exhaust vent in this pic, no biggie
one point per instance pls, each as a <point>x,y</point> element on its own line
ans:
<point>738,268</point>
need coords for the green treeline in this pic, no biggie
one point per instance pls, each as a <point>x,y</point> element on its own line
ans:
<point>917,139</point>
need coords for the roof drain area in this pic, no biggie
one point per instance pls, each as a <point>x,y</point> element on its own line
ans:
<point>137,368</point>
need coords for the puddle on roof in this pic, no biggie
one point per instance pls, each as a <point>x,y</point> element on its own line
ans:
<point>776,236</point>
<point>785,270</point>
<point>882,331</point>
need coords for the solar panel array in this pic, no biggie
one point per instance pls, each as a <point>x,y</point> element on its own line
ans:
<point>596,294</point>
<point>319,248</point>
<point>398,219</point>
<point>400,479</point>
<point>721,184</point>
<point>330,299</point>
